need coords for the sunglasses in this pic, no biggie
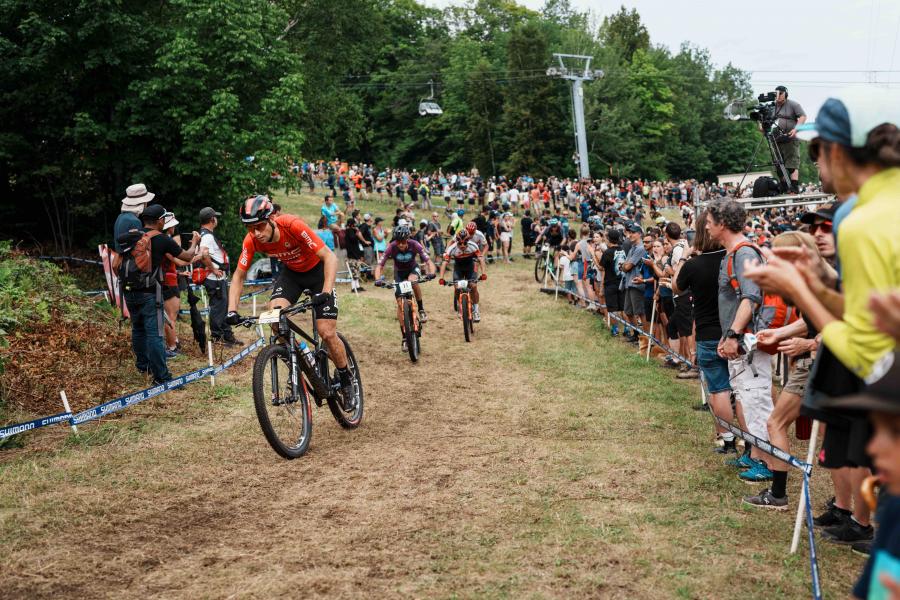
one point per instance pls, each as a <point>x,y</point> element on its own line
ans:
<point>825,226</point>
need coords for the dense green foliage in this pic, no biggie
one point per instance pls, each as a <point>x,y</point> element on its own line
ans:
<point>103,93</point>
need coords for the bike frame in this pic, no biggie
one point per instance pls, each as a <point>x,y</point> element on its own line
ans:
<point>549,271</point>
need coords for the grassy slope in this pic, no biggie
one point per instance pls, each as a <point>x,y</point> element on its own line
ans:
<point>543,460</point>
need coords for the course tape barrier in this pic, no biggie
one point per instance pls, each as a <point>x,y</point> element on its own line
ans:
<point>11,430</point>
<point>810,526</point>
<point>127,400</point>
<point>765,446</point>
<point>247,296</point>
<point>640,331</point>
<point>86,261</point>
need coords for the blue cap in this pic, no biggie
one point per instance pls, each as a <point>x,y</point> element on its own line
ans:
<point>848,118</point>
<point>460,212</point>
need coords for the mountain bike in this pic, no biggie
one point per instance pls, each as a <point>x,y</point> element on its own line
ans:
<point>410,327</point>
<point>287,372</point>
<point>543,265</point>
<point>462,298</point>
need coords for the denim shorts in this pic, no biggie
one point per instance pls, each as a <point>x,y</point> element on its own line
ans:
<point>714,367</point>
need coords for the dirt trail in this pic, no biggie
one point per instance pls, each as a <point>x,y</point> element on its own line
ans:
<point>375,511</point>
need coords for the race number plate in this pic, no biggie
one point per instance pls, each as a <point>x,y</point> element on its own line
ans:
<point>405,287</point>
<point>270,316</point>
<point>545,248</point>
<point>462,284</point>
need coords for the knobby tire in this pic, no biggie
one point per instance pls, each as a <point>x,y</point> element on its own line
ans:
<point>466,316</point>
<point>295,411</point>
<point>409,332</point>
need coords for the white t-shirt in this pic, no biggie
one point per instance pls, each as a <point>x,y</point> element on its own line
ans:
<point>564,267</point>
<point>208,240</point>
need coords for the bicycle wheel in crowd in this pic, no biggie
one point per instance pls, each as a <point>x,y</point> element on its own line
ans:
<point>409,332</point>
<point>285,417</point>
<point>351,419</point>
<point>466,315</point>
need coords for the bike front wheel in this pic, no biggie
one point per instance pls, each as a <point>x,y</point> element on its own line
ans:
<point>409,332</point>
<point>284,416</point>
<point>465,309</point>
<point>540,265</point>
<point>346,419</point>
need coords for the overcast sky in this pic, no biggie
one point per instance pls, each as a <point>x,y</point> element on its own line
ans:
<point>810,46</point>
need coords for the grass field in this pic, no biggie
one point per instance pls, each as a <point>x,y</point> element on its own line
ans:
<point>544,459</point>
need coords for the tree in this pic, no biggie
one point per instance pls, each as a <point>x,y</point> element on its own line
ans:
<point>625,32</point>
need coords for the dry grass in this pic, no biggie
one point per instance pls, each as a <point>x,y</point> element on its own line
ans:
<point>542,460</point>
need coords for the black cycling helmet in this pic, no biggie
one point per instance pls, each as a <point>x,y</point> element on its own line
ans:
<point>402,232</point>
<point>255,209</point>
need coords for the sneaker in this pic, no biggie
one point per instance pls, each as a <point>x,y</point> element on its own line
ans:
<point>862,548</point>
<point>172,353</point>
<point>756,473</point>
<point>476,315</point>
<point>614,331</point>
<point>848,533</point>
<point>403,345</point>
<point>728,447</point>
<point>671,363</point>
<point>423,318</point>
<point>832,517</point>
<point>689,373</point>
<point>742,462</point>
<point>765,499</point>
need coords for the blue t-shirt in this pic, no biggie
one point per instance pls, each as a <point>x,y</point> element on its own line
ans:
<point>327,237</point>
<point>887,540</point>
<point>839,215</point>
<point>330,213</point>
<point>647,273</point>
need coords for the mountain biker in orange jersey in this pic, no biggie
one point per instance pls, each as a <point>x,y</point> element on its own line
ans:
<point>308,264</point>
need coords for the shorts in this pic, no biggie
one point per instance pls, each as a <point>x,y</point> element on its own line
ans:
<point>634,302</point>
<point>713,366</point>
<point>845,444</point>
<point>797,378</point>
<point>463,271</point>
<point>683,317</point>
<point>404,275</point>
<point>170,291</point>
<point>290,285</point>
<point>648,308</point>
<point>584,271</point>
<point>505,236</point>
<point>754,392</point>
<point>613,296</point>
<point>570,286</point>
<point>790,152</point>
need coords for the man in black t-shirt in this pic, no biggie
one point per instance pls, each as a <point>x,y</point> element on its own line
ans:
<point>145,304</point>
<point>611,263</point>
<point>527,224</point>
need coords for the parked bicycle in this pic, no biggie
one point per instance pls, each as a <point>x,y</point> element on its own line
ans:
<point>292,368</point>
<point>462,300</point>
<point>410,325</point>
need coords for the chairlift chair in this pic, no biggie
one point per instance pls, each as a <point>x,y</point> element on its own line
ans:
<point>427,106</point>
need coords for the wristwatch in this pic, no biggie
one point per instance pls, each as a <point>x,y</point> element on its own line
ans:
<point>732,334</point>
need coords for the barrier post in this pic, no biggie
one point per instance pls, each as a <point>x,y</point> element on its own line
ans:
<point>652,321</point>
<point>209,349</point>
<point>65,401</point>
<point>810,454</point>
<point>556,286</point>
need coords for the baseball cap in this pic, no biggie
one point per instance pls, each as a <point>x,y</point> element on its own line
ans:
<point>208,213</point>
<point>826,212</point>
<point>366,217</point>
<point>848,117</point>
<point>154,212</point>
<point>881,394</point>
<point>634,228</point>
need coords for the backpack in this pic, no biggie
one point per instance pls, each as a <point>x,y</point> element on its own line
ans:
<point>773,313</point>
<point>199,274</point>
<point>136,267</point>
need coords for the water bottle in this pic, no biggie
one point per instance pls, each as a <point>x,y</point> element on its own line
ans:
<point>308,355</point>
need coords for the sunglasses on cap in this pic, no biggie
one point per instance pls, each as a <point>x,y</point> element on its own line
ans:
<point>825,226</point>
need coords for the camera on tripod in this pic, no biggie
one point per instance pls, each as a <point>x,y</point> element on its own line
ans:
<point>764,112</point>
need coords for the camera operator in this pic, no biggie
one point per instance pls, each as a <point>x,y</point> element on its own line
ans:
<point>789,114</point>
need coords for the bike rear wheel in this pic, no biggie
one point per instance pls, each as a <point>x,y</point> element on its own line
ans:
<point>285,418</point>
<point>409,332</point>
<point>346,419</point>
<point>466,315</point>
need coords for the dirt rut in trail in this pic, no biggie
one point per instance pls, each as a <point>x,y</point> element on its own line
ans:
<point>380,510</point>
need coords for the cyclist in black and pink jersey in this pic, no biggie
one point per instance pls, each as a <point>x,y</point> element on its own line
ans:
<point>464,251</point>
<point>404,252</point>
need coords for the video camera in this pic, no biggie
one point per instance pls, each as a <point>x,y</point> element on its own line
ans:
<point>764,113</point>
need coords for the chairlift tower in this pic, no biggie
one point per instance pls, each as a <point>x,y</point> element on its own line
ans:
<point>577,77</point>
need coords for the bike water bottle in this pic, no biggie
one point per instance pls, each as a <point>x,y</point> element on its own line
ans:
<point>307,355</point>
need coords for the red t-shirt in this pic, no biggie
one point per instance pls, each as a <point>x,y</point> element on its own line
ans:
<point>296,248</point>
